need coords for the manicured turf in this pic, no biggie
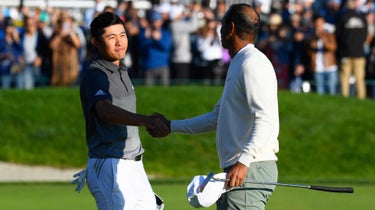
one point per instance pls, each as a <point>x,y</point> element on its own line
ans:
<point>322,138</point>
<point>61,196</point>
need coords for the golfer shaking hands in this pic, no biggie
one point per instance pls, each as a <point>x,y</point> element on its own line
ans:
<point>245,118</point>
<point>115,173</point>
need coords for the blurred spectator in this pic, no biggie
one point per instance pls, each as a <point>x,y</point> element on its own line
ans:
<point>265,6</point>
<point>35,47</point>
<point>225,57</point>
<point>92,12</point>
<point>109,9</point>
<point>11,60</point>
<point>370,71</point>
<point>322,50</point>
<point>331,11</point>
<point>370,65</point>
<point>64,43</point>
<point>211,53</point>
<point>183,23</point>
<point>220,10</point>
<point>44,26</point>
<point>307,14</point>
<point>276,44</point>
<point>132,25</point>
<point>298,55</point>
<point>288,50</point>
<point>351,35</point>
<point>155,43</point>
<point>164,8</point>
<point>121,8</point>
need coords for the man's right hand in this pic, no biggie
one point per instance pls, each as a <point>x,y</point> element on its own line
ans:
<point>159,126</point>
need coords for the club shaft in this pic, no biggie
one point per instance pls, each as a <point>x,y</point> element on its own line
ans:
<point>270,183</point>
<point>311,187</point>
<point>205,182</point>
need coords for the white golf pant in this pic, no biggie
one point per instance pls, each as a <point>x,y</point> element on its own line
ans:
<point>119,184</point>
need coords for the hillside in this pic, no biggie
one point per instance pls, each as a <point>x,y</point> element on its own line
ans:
<point>321,138</point>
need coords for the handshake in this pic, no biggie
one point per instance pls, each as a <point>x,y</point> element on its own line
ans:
<point>158,126</point>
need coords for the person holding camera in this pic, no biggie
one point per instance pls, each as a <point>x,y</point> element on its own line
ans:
<point>64,44</point>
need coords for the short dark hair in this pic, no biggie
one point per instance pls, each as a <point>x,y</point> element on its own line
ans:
<point>317,16</point>
<point>8,21</point>
<point>102,21</point>
<point>244,23</point>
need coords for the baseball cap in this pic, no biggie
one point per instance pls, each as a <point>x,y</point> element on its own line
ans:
<point>164,8</point>
<point>210,194</point>
<point>175,11</point>
<point>275,19</point>
<point>155,16</point>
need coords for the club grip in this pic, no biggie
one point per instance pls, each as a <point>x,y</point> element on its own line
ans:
<point>333,189</point>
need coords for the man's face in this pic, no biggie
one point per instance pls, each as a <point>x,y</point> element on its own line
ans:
<point>114,43</point>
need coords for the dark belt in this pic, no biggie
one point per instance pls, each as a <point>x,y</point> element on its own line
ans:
<point>138,157</point>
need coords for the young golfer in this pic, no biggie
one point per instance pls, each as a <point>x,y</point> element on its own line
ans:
<point>246,116</point>
<point>115,173</point>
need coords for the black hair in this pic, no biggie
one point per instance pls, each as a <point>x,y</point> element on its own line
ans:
<point>8,21</point>
<point>102,21</point>
<point>317,16</point>
<point>244,23</point>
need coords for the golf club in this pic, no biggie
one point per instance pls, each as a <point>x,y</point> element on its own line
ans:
<point>311,187</point>
<point>205,181</point>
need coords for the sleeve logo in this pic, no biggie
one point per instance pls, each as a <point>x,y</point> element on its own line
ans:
<point>99,93</point>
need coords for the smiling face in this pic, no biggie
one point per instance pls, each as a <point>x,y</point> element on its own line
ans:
<point>113,43</point>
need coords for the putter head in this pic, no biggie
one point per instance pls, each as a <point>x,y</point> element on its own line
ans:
<point>205,181</point>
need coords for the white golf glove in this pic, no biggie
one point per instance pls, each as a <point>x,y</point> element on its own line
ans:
<point>80,180</point>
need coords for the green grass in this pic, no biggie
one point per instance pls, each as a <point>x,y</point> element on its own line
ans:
<point>322,138</point>
<point>43,126</point>
<point>62,197</point>
<point>292,198</point>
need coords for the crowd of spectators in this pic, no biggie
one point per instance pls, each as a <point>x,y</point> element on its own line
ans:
<point>325,46</point>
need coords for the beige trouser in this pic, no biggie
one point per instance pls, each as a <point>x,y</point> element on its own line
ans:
<point>357,67</point>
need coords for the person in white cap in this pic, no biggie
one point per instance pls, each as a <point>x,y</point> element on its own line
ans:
<point>246,116</point>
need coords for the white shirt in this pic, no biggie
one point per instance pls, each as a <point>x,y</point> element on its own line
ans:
<point>29,48</point>
<point>246,116</point>
<point>210,48</point>
<point>320,66</point>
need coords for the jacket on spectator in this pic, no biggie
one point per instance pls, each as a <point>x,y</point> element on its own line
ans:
<point>351,34</point>
<point>329,50</point>
<point>155,53</point>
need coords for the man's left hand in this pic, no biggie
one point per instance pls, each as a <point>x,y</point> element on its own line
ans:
<point>236,175</point>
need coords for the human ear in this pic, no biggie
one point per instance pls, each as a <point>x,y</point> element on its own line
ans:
<point>232,30</point>
<point>94,42</point>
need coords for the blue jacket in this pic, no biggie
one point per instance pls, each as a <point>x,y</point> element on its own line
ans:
<point>155,53</point>
<point>9,54</point>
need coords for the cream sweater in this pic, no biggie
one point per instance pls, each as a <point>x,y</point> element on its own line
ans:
<point>246,116</point>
